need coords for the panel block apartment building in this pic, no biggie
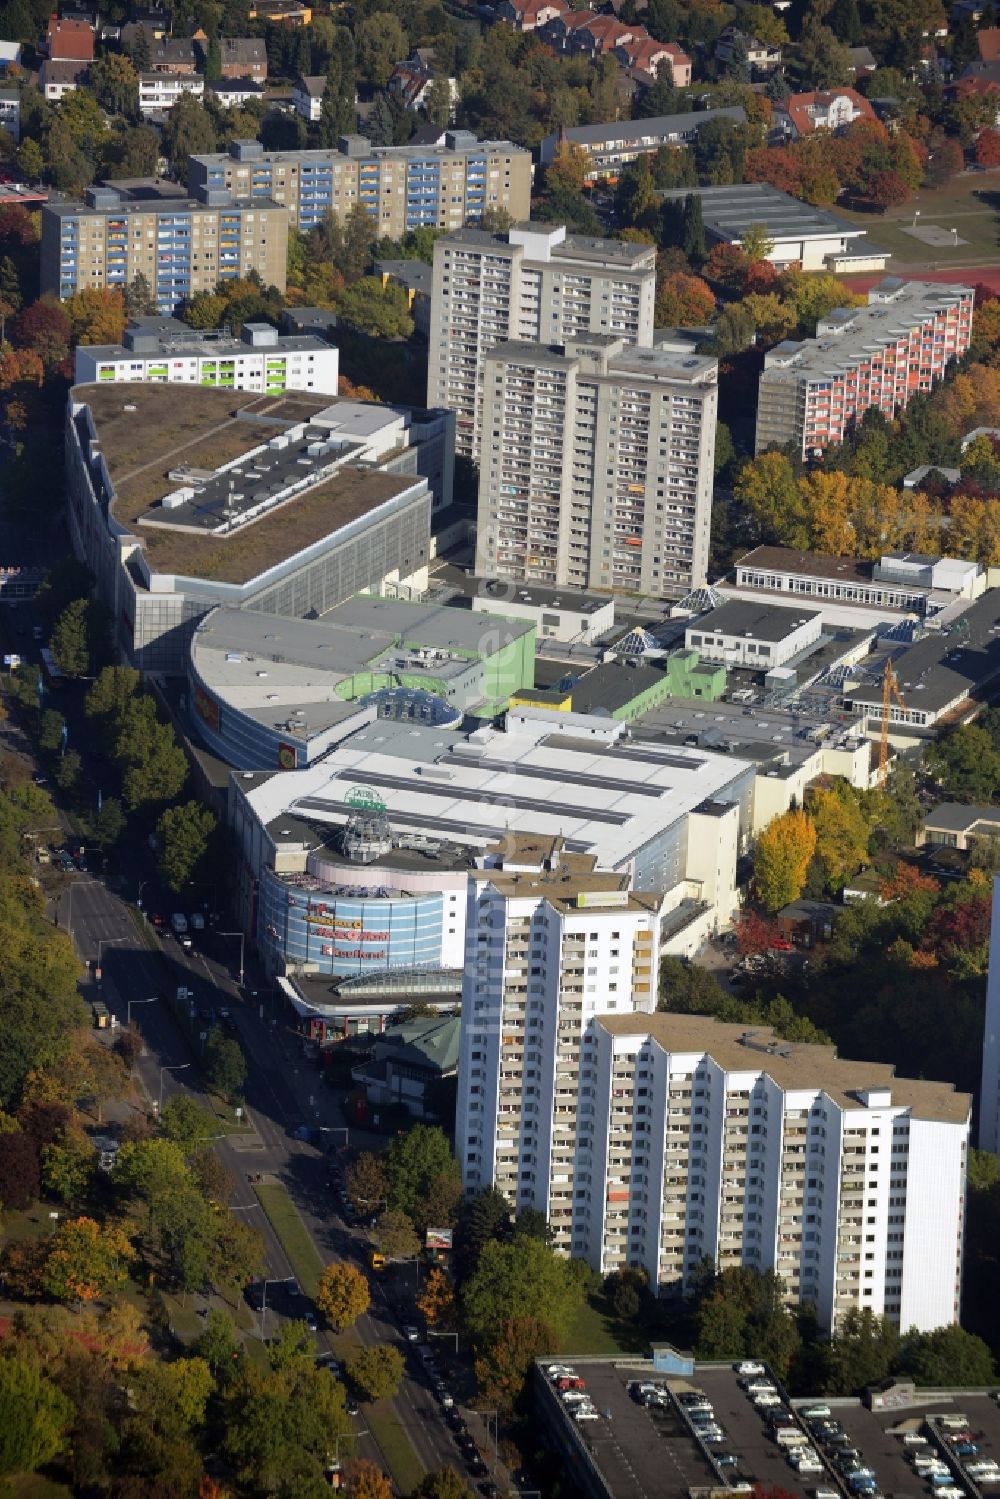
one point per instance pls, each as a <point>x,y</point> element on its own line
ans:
<point>596,466</point>
<point>180,245</point>
<point>660,1140</point>
<point>536,283</point>
<point>402,187</point>
<point>880,355</point>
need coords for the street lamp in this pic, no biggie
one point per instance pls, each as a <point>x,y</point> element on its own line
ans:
<point>170,1067</point>
<point>106,942</point>
<point>281,1281</point>
<point>337,1129</point>
<point>240,935</point>
<point>454,1335</point>
<point>128,1008</point>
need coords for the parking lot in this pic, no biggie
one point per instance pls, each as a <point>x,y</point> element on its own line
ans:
<point>872,1435</point>
<point>761,1460</point>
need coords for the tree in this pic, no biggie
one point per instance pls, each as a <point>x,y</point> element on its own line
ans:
<point>20,1178</point>
<point>68,1166</point>
<point>988,148</point>
<point>693,230</point>
<point>683,301</point>
<point>756,243</point>
<point>342,1295</point>
<point>51,727</point>
<point>184,832</point>
<point>841,833</point>
<point>381,311</point>
<point>379,125</point>
<point>30,160</point>
<point>376,1372</point>
<point>782,857</point>
<point>502,1368</point>
<point>823,61</point>
<point>887,189</point>
<point>965,764</point>
<point>189,130</point>
<point>108,822</point>
<point>438,105</point>
<point>225,1065</point>
<point>735,330</point>
<point>281,1424</point>
<point>115,82</point>
<point>139,299</point>
<point>442,1483</point>
<point>86,1260</point>
<point>183,1120</point>
<point>381,42</point>
<point>70,642</point>
<point>112,690</point>
<point>396,1237</point>
<point>863,1352</point>
<point>515,1280</point>
<point>947,1357</point>
<point>437,1297</point>
<point>36,1417</point>
<point>153,764</point>
<point>217,1344</point>
<point>415,1162</point>
<point>726,264</point>
<point>768,489</point>
<point>67,771</point>
<point>96,315</point>
<point>367,1181</point>
<point>365,1480</point>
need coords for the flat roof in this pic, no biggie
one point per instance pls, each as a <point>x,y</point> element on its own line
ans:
<point>661,363</point>
<point>416,275</point>
<point>812,565</point>
<point>612,685</point>
<point>943,668</point>
<point>636,132</point>
<point>793,1065</point>
<point>862,332</point>
<point>147,431</point>
<point>582,247</point>
<point>480,788</point>
<point>316,156</point>
<point>727,211</point>
<point>538,596</point>
<point>757,621</point>
<point>195,345</point>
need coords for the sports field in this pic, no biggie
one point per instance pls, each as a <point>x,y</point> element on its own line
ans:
<point>968,204</point>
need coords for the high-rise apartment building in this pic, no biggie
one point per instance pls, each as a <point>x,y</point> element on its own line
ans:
<point>537,283</point>
<point>880,355</point>
<point>989,1100</point>
<point>660,1140</point>
<point>546,951</point>
<point>402,187</point>
<point>180,245</point>
<point>596,465</point>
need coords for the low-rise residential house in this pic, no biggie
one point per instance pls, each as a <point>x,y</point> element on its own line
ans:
<point>807,921</point>
<point>281,12</point>
<point>307,96</point>
<point>664,60</point>
<point>410,81</point>
<point>952,825</point>
<point>233,93</point>
<point>10,111</point>
<point>528,15</point>
<point>614,144</point>
<point>169,56</point>
<point>159,92</point>
<point>69,40</point>
<point>980,80</point>
<point>801,114</point>
<point>762,58</point>
<point>415,277</point>
<point>862,60</point>
<point>57,78</point>
<point>241,57</point>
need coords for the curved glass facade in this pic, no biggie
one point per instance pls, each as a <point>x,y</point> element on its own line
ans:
<point>353,930</point>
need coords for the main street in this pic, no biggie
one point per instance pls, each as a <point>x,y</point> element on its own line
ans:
<point>280,1085</point>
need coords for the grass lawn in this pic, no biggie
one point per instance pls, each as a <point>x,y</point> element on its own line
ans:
<point>953,206</point>
<point>596,1330</point>
<point>183,1319</point>
<point>27,1227</point>
<point>396,1447</point>
<point>284,1218</point>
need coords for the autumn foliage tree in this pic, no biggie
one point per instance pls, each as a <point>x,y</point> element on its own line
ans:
<point>988,148</point>
<point>86,1260</point>
<point>754,934</point>
<point>781,861</point>
<point>683,301</point>
<point>502,1368</point>
<point>365,1480</point>
<point>437,1298</point>
<point>342,1295</point>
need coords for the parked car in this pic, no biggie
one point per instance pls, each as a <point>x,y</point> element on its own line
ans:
<point>749,1367</point>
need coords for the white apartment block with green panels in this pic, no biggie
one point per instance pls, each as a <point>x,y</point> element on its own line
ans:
<point>165,351</point>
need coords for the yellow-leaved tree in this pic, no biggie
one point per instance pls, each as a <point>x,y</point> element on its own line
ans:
<point>784,850</point>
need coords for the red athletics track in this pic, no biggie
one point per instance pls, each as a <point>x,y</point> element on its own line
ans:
<point>983,275</point>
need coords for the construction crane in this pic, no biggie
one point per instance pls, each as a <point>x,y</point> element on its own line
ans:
<point>890,690</point>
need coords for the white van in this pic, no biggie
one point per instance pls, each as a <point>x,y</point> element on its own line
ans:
<point>791,1436</point>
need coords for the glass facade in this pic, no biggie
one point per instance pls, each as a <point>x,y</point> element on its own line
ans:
<point>346,931</point>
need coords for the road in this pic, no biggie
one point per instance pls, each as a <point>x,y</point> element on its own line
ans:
<point>280,1085</point>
